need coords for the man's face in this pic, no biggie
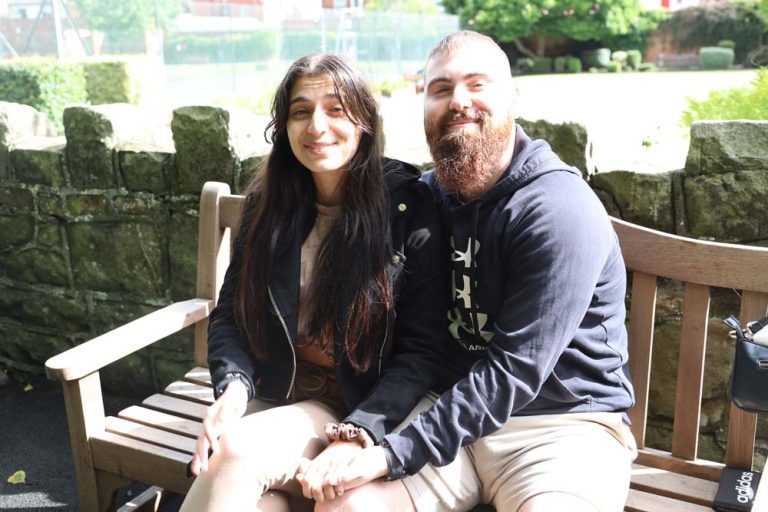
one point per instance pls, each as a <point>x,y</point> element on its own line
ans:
<point>468,116</point>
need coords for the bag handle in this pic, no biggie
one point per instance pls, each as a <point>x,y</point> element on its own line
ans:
<point>734,324</point>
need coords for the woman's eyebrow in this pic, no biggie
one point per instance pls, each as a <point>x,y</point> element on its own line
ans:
<point>329,96</point>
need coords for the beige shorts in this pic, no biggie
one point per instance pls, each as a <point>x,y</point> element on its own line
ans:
<point>588,455</point>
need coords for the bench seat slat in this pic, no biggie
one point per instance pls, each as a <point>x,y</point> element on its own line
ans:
<point>699,468</point>
<point>639,501</point>
<point>150,435</point>
<point>199,375</point>
<point>673,485</point>
<point>190,391</point>
<point>162,421</point>
<point>176,406</point>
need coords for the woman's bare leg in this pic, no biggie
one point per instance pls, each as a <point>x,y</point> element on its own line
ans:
<point>262,451</point>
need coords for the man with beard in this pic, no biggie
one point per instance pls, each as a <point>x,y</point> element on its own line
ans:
<point>532,411</point>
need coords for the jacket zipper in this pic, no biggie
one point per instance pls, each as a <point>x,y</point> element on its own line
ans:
<point>287,336</point>
<point>386,337</point>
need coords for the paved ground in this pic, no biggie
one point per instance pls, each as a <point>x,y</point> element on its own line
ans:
<point>33,438</point>
<point>633,118</point>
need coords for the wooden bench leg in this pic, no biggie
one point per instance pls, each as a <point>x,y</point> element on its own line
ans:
<point>107,487</point>
<point>85,416</point>
<point>147,501</point>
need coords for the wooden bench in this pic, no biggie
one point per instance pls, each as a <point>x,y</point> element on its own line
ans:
<point>678,60</point>
<point>153,442</point>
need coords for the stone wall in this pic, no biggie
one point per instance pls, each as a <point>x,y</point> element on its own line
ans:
<point>100,226</point>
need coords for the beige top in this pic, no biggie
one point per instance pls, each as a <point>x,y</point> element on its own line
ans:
<point>309,348</point>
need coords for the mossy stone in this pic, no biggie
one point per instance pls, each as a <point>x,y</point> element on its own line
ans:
<point>118,257</point>
<point>39,166</point>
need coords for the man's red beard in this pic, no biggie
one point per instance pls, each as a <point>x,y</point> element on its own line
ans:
<point>465,162</point>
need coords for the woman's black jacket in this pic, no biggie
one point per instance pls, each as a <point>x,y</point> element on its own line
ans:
<point>412,352</point>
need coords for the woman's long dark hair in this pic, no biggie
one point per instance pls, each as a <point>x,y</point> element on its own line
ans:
<point>350,267</point>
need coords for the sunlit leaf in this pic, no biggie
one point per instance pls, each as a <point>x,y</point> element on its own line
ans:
<point>19,477</point>
<point>28,387</point>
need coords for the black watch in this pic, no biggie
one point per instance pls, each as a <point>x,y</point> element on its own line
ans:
<point>228,378</point>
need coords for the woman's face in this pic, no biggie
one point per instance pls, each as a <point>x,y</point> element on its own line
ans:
<point>321,135</point>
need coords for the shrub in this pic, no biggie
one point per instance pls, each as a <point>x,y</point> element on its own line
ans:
<point>619,56</point>
<point>614,67</point>
<point>750,102</point>
<point>646,66</point>
<point>714,57</point>
<point>634,58</point>
<point>727,43</point>
<point>109,82</point>
<point>43,83</point>
<point>542,65</point>
<point>598,58</point>
<point>573,64</point>
<point>560,64</point>
<point>524,65</point>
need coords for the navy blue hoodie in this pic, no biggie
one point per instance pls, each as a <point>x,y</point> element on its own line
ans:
<point>537,318</point>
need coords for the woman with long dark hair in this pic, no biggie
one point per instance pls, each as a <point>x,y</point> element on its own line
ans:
<point>330,321</point>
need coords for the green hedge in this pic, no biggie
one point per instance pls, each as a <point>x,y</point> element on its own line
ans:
<point>715,57</point>
<point>50,86</point>
<point>44,84</point>
<point>109,82</point>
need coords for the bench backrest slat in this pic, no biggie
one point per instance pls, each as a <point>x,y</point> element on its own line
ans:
<point>641,318</point>
<point>692,261</point>
<point>690,371</point>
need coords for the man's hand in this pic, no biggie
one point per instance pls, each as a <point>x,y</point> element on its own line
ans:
<point>369,464</point>
<point>230,406</point>
<point>319,477</point>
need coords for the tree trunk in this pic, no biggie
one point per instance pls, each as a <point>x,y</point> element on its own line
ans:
<point>541,44</point>
<point>522,48</point>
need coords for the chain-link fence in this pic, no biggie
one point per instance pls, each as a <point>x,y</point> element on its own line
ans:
<point>216,49</point>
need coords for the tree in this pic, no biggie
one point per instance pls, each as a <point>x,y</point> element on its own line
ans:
<point>514,20</point>
<point>406,6</point>
<point>127,16</point>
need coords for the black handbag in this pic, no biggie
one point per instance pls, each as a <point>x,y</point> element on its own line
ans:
<point>749,377</point>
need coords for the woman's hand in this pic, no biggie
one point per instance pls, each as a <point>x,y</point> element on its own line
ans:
<point>230,406</point>
<point>345,468</point>
<point>367,465</point>
<point>319,477</point>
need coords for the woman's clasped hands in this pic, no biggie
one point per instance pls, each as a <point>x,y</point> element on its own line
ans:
<point>342,466</point>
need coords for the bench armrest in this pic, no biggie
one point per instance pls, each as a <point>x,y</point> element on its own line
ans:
<point>95,354</point>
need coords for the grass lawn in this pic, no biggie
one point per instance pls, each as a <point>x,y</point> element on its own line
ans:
<point>633,118</point>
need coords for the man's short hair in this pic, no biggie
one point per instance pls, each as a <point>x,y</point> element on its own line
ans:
<point>462,39</point>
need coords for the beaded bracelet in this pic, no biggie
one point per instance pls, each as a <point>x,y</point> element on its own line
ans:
<point>348,432</point>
